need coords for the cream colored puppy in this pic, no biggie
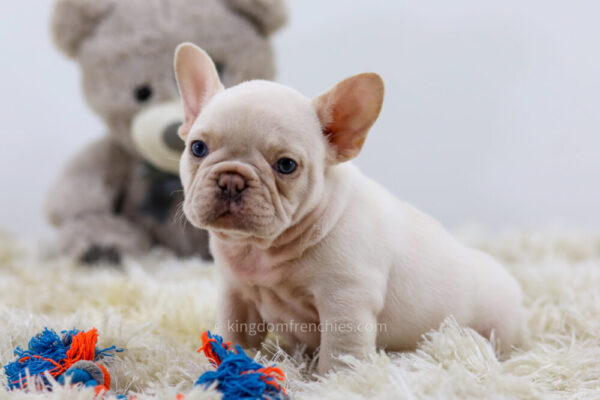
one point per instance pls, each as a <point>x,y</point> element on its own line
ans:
<point>303,238</point>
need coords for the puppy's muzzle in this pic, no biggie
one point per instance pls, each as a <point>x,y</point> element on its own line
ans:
<point>231,185</point>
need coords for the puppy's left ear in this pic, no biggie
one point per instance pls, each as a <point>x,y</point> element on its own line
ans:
<point>347,112</point>
<point>198,82</point>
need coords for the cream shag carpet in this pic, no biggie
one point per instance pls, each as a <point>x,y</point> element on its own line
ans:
<point>157,307</point>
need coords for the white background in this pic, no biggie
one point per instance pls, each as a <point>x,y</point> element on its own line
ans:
<point>492,110</point>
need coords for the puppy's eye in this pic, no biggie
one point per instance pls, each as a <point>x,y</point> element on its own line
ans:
<point>286,165</point>
<point>199,149</point>
<point>143,93</point>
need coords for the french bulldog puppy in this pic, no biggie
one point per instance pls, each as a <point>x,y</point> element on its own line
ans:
<point>304,240</point>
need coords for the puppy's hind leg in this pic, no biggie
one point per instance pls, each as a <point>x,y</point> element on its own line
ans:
<point>499,304</point>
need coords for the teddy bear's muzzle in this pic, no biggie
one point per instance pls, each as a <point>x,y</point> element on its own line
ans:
<point>155,135</point>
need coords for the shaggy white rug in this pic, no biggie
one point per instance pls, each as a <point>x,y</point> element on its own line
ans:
<point>157,307</point>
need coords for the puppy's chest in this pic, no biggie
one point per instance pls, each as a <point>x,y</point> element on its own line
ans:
<point>281,304</point>
<point>251,267</point>
<point>277,290</point>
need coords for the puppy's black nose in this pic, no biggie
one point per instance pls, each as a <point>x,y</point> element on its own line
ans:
<point>231,184</point>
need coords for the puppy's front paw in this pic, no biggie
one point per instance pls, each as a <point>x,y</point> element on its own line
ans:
<point>97,254</point>
<point>329,363</point>
<point>323,367</point>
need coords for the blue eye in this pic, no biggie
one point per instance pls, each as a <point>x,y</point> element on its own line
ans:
<point>286,165</point>
<point>199,149</point>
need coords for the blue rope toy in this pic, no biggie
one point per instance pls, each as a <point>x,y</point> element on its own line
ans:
<point>73,355</point>
<point>239,376</point>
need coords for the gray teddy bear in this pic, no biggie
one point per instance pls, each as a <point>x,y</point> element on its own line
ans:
<point>120,195</point>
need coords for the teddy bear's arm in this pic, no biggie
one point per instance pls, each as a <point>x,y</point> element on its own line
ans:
<point>90,183</point>
<point>84,205</point>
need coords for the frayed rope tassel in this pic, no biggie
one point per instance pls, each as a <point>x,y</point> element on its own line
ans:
<point>239,376</point>
<point>72,357</point>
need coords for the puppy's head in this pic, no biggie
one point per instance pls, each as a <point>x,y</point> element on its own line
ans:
<point>257,154</point>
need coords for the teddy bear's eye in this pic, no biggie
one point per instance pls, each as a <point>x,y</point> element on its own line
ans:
<point>143,93</point>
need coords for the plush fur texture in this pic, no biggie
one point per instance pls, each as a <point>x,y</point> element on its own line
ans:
<point>156,307</point>
<point>125,48</point>
<point>324,252</point>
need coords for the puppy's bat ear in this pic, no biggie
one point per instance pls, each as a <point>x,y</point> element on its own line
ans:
<point>75,20</point>
<point>267,15</point>
<point>348,110</point>
<point>198,82</point>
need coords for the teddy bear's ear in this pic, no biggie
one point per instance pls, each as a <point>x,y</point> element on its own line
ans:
<point>75,20</point>
<point>267,15</point>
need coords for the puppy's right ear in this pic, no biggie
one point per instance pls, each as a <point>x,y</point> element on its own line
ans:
<point>75,20</point>
<point>198,82</point>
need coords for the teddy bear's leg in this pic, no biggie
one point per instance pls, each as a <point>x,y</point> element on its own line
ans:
<point>84,204</point>
<point>104,238</point>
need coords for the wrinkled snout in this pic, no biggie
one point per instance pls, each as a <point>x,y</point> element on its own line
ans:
<point>231,185</point>
<point>230,196</point>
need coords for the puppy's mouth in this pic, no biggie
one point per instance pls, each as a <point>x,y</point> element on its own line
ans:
<point>227,214</point>
<point>248,214</point>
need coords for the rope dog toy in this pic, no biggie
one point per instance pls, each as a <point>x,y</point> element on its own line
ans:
<point>238,375</point>
<point>74,356</point>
